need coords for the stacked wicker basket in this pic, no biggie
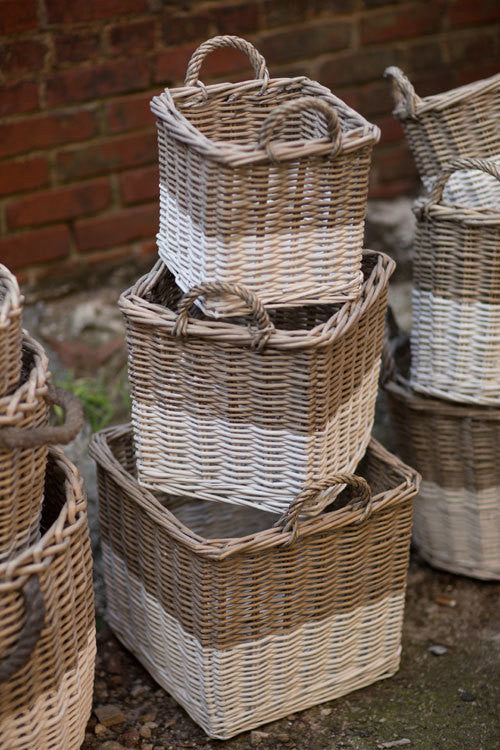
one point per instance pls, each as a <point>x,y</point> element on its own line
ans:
<point>47,630</point>
<point>253,564</point>
<point>445,399</point>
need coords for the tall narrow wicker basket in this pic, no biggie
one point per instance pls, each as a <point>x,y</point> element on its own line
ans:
<point>47,625</point>
<point>455,339</point>
<point>251,415</point>
<point>461,123</point>
<point>455,448</point>
<point>262,183</point>
<point>238,622</point>
<point>10,332</point>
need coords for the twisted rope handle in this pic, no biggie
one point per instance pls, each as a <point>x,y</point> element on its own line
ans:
<point>289,520</point>
<point>403,92</point>
<point>275,120</point>
<point>236,42</point>
<point>256,307</point>
<point>17,437</point>
<point>21,651</point>
<point>483,165</point>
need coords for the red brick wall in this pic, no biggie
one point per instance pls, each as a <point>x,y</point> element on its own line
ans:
<point>78,178</point>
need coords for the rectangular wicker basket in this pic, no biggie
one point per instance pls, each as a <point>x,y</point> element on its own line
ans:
<point>251,414</point>
<point>460,123</point>
<point>47,625</point>
<point>262,183</point>
<point>242,621</point>
<point>11,309</point>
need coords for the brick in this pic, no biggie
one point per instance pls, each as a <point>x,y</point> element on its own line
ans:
<point>466,13</point>
<point>390,128</point>
<point>19,98</point>
<point>425,55</point>
<point>386,190</point>
<point>477,45</point>
<point>43,131</point>
<point>107,156</point>
<point>76,46</point>
<point>309,40</point>
<point>17,15</point>
<point>170,66</point>
<point>362,66</point>
<point>129,113</point>
<point>50,243</point>
<point>62,11</point>
<point>179,28</point>
<point>148,248</point>
<point>375,98</point>
<point>22,56</point>
<point>140,186</point>
<point>379,3</point>
<point>61,204</point>
<point>393,163</point>
<point>129,38</point>
<point>97,82</point>
<point>401,23</point>
<point>284,14</point>
<point>477,71</point>
<point>335,7</point>
<point>117,228</point>
<point>25,174</point>
<point>243,16</point>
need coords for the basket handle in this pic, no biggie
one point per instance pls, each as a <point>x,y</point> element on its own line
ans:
<point>220,287</point>
<point>483,165</point>
<point>289,520</point>
<point>403,92</point>
<point>17,437</point>
<point>277,117</point>
<point>22,649</point>
<point>236,42</point>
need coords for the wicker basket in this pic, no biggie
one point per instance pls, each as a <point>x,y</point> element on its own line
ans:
<point>455,339</point>
<point>462,122</point>
<point>24,436</point>
<point>10,332</point>
<point>244,623</point>
<point>47,625</point>
<point>262,183</point>
<point>246,415</point>
<point>455,448</point>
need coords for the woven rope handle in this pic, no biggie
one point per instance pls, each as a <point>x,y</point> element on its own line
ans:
<point>21,651</point>
<point>16,437</point>
<point>276,119</point>
<point>211,288</point>
<point>236,42</point>
<point>403,92</point>
<point>289,520</point>
<point>483,165</point>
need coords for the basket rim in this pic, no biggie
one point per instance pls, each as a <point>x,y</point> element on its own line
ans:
<point>232,153</point>
<point>11,300</point>
<point>460,214</point>
<point>142,312</point>
<point>217,549</point>
<point>14,406</point>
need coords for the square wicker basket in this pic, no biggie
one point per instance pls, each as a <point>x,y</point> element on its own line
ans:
<point>251,410</point>
<point>242,621</point>
<point>262,183</point>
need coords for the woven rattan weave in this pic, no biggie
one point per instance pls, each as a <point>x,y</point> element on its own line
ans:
<point>239,623</point>
<point>47,625</point>
<point>455,448</point>
<point>455,339</point>
<point>262,183</point>
<point>10,332</point>
<point>461,123</point>
<point>251,414</point>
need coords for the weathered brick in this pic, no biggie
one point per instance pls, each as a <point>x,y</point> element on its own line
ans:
<point>393,163</point>
<point>50,243</point>
<point>170,66</point>
<point>76,46</point>
<point>148,248</point>
<point>140,185</point>
<point>179,28</point>
<point>424,55</point>
<point>107,156</point>
<point>42,131</point>
<point>243,16</point>
<point>61,204</point>
<point>129,113</point>
<point>23,174</point>
<point>284,14</point>
<point>97,82</point>
<point>474,44</point>
<point>116,228</point>
<point>17,15</point>
<point>390,128</point>
<point>466,13</point>
<point>375,98</point>
<point>19,97</point>
<point>401,23</point>
<point>308,40</point>
<point>386,190</point>
<point>357,67</point>
<point>334,7</point>
<point>129,38</point>
<point>62,11</point>
<point>22,56</point>
<point>475,71</point>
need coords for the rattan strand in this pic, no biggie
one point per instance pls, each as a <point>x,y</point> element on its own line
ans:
<point>455,339</point>
<point>262,183</point>
<point>11,303</point>
<point>237,623</point>
<point>462,123</point>
<point>46,703</point>
<point>455,448</point>
<point>216,416</point>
